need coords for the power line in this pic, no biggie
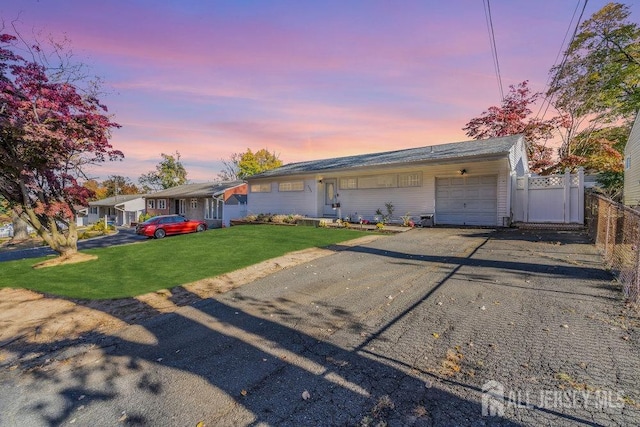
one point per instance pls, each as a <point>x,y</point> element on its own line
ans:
<point>560,52</point>
<point>492,42</point>
<point>566,54</point>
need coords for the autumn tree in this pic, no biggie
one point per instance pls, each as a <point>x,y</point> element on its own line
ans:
<point>598,82</point>
<point>170,172</point>
<point>52,126</point>
<point>242,165</point>
<point>514,116</point>
<point>597,88</point>
<point>96,188</point>
<point>116,185</point>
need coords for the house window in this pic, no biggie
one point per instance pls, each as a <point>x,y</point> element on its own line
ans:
<point>378,181</point>
<point>194,203</point>
<point>182,206</point>
<point>162,203</point>
<point>261,188</point>
<point>413,179</point>
<point>151,204</point>
<point>93,210</point>
<point>291,186</point>
<point>212,209</point>
<point>627,162</point>
<point>348,183</point>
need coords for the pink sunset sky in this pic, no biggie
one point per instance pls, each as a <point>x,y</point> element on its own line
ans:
<point>306,79</point>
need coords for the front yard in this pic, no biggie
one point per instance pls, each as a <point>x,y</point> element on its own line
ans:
<point>136,269</point>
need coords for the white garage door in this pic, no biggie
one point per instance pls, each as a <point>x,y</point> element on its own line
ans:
<point>467,200</point>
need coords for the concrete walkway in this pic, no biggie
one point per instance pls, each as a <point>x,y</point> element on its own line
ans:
<point>429,327</point>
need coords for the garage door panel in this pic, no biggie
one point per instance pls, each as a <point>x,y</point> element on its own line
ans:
<point>472,180</point>
<point>467,200</point>
<point>488,180</point>
<point>488,193</point>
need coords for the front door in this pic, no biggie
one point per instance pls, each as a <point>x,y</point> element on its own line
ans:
<point>330,197</point>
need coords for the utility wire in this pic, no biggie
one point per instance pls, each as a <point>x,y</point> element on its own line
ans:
<point>565,56</point>
<point>492,42</point>
<point>560,52</point>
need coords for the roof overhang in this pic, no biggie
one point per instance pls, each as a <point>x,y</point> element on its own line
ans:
<point>389,166</point>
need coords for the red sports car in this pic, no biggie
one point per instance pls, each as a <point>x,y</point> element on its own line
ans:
<point>163,225</point>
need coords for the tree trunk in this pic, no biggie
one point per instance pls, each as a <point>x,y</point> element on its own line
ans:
<point>64,242</point>
<point>20,232</point>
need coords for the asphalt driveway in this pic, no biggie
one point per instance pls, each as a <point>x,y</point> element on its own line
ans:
<point>411,329</point>
<point>124,236</point>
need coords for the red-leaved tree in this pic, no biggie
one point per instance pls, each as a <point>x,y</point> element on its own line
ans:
<point>514,117</point>
<point>50,130</point>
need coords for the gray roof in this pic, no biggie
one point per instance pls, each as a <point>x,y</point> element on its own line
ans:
<point>454,150</point>
<point>206,189</point>
<point>116,200</point>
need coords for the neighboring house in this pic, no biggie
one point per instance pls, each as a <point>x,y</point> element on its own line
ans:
<point>631,192</point>
<point>122,210</point>
<point>462,183</point>
<point>213,202</point>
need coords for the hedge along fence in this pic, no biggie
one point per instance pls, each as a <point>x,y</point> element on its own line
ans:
<point>615,229</point>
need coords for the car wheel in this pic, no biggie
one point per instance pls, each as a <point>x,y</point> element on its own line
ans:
<point>160,233</point>
<point>200,228</point>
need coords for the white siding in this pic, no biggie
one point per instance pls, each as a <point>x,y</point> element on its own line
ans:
<point>365,202</point>
<point>284,202</point>
<point>518,158</point>
<point>631,193</point>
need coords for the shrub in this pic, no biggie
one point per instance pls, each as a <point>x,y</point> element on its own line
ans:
<point>390,209</point>
<point>143,217</point>
<point>279,219</point>
<point>274,218</point>
<point>406,220</point>
<point>263,217</point>
<point>293,218</point>
<point>379,226</point>
<point>100,227</point>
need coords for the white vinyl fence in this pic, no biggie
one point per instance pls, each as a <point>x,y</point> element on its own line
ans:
<point>557,199</point>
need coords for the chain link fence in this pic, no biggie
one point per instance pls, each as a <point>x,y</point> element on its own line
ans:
<point>615,229</point>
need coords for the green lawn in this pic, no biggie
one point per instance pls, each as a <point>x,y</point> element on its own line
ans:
<point>130,270</point>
